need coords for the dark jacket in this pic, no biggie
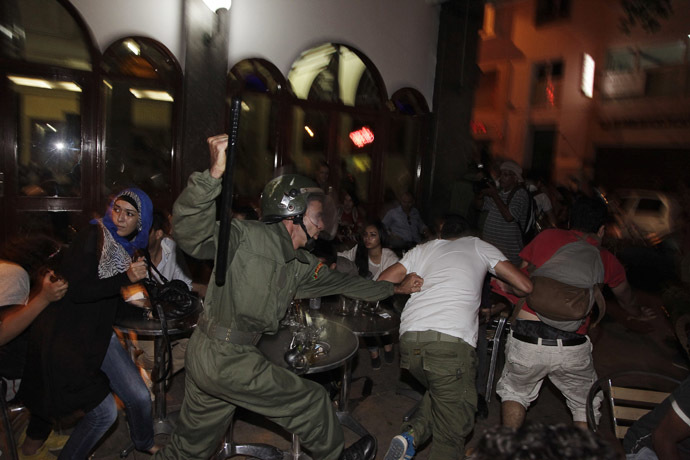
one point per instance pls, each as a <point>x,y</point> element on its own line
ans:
<point>69,339</point>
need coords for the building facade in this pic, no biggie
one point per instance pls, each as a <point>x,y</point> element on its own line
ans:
<point>111,94</point>
<point>570,96</point>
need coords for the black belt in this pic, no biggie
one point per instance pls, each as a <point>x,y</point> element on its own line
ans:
<point>225,334</point>
<point>550,342</point>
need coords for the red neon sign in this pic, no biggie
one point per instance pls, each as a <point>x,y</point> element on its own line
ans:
<point>362,136</point>
<point>477,127</point>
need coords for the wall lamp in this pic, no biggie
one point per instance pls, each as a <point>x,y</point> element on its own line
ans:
<point>215,5</point>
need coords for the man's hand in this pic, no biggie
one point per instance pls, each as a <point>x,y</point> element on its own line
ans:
<point>217,146</point>
<point>646,314</point>
<point>411,283</point>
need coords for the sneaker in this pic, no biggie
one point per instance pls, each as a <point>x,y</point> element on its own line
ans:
<point>363,449</point>
<point>388,356</point>
<point>41,454</point>
<point>401,448</point>
<point>376,363</point>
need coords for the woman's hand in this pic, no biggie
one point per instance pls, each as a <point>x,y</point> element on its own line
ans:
<point>52,291</point>
<point>137,271</point>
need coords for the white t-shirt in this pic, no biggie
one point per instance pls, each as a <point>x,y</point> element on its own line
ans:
<point>453,272</point>
<point>388,258</point>
<point>14,284</point>
<point>168,266</point>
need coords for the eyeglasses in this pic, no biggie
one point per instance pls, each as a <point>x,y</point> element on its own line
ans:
<point>319,221</point>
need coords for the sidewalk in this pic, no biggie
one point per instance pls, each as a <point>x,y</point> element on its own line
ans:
<point>619,344</point>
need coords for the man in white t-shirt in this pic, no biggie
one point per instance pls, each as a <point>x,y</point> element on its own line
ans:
<point>438,333</point>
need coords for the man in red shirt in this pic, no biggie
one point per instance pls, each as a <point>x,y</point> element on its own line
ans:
<point>536,350</point>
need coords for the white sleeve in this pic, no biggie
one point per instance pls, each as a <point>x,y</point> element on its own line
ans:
<point>349,254</point>
<point>14,285</point>
<point>411,258</point>
<point>489,254</point>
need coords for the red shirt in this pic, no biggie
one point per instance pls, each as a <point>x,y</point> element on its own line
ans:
<point>545,245</point>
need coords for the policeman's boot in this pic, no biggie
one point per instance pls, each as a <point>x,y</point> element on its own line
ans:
<point>363,449</point>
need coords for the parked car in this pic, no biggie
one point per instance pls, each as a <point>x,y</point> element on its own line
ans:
<point>643,215</point>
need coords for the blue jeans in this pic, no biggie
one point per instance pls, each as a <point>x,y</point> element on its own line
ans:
<point>127,384</point>
<point>90,430</point>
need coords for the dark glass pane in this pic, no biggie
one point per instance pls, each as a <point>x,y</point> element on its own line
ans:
<point>42,31</point>
<point>62,225</point>
<point>355,147</point>
<point>48,136</point>
<point>141,59</point>
<point>256,149</point>
<point>400,172</point>
<point>139,95</point>
<point>309,140</point>
<point>257,75</point>
<point>408,101</point>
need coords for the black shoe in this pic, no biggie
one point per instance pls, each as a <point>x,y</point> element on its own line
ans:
<point>363,449</point>
<point>482,408</point>
<point>388,356</point>
<point>376,363</point>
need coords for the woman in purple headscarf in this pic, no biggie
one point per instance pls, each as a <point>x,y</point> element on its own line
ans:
<point>75,360</point>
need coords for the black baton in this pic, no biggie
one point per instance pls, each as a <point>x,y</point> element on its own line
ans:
<point>226,195</point>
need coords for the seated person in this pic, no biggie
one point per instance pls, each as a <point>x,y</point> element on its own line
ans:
<point>169,261</point>
<point>404,224</point>
<point>665,431</point>
<point>27,286</point>
<point>372,257</point>
<point>350,219</point>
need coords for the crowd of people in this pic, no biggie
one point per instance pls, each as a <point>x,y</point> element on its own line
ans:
<point>60,356</point>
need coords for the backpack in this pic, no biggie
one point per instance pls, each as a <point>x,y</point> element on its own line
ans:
<point>530,230</point>
<point>566,286</point>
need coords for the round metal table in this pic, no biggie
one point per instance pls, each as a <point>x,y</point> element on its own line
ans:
<point>133,319</point>
<point>364,323</point>
<point>343,345</point>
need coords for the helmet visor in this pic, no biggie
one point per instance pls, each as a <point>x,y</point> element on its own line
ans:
<point>323,217</point>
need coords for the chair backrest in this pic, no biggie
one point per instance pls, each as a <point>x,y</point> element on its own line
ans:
<point>630,395</point>
<point>8,444</point>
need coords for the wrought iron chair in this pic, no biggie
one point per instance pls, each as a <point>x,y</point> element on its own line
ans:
<point>629,395</point>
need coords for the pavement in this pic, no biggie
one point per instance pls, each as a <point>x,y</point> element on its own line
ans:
<point>619,344</point>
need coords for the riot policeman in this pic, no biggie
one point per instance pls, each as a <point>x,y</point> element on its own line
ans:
<point>267,267</point>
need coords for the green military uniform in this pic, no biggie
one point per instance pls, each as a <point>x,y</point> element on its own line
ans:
<point>265,273</point>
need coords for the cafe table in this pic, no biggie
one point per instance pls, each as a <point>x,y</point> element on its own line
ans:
<point>364,319</point>
<point>341,345</point>
<point>133,319</point>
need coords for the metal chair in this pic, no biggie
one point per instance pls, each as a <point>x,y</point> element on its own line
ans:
<point>8,442</point>
<point>629,395</point>
<point>495,334</point>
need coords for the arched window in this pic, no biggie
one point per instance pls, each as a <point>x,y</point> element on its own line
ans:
<point>337,73</point>
<point>339,119</point>
<point>141,87</point>
<point>260,84</point>
<point>47,87</point>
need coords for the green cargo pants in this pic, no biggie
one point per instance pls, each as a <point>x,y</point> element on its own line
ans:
<point>446,366</point>
<point>221,376</point>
